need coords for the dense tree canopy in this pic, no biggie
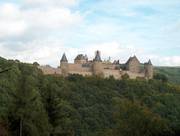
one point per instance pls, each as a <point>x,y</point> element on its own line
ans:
<point>32,104</point>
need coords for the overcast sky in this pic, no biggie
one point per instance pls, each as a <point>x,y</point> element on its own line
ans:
<point>41,30</point>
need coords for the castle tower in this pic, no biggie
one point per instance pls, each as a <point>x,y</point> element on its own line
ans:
<point>97,64</point>
<point>133,65</point>
<point>81,59</point>
<point>148,67</point>
<point>64,65</point>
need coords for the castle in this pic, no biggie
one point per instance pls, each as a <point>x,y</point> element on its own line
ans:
<point>132,68</point>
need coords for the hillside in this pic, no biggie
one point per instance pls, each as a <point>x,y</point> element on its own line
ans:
<point>39,105</point>
<point>172,73</point>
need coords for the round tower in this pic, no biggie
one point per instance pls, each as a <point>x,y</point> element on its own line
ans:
<point>64,65</point>
<point>148,67</point>
<point>97,65</point>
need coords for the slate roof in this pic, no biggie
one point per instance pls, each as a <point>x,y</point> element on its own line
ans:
<point>131,59</point>
<point>64,59</point>
<point>148,63</point>
<point>81,57</point>
<point>98,57</point>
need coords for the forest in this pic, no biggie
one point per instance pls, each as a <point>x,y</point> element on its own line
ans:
<point>172,73</point>
<point>32,104</point>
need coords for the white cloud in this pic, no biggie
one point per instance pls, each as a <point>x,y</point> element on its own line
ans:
<point>11,21</point>
<point>114,50</point>
<point>41,30</point>
<point>159,60</point>
<point>47,51</point>
<point>52,18</point>
<point>50,52</point>
<point>41,51</point>
<point>61,3</point>
<point>166,61</point>
<point>111,49</point>
<point>16,20</point>
<point>19,23</point>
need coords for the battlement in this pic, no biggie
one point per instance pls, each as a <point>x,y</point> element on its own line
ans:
<point>105,69</point>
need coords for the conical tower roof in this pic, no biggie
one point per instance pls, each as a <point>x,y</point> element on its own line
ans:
<point>149,62</point>
<point>98,57</point>
<point>64,58</point>
<point>132,59</point>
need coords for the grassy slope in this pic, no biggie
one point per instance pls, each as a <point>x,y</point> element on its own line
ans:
<point>173,73</point>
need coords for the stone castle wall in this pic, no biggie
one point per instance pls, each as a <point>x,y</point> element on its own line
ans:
<point>108,66</point>
<point>47,70</point>
<point>115,73</point>
<point>104,69</point>
<point>134,66</point>
<point>133,75</point>
<point>77,69</point>
<point>148,71</point>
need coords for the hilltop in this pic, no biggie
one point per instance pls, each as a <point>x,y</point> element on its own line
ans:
<point>133,68</point>
<point>172,73</point>
<point>44,105</point>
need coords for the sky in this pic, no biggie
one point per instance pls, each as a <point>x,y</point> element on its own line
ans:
<point>42,30</point>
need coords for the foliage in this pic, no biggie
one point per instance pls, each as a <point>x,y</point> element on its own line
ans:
<point>161,77</point>
<point>133,119</point>
<point>44,105</point>
<point>172,73</point>
<point>125,76</point>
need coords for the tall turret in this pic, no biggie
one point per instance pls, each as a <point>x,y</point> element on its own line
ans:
<point>64,65</point>
<point>97,64</point>
<point>148,67</point>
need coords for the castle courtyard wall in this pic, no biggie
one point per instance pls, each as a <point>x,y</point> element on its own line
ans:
<point>108,66</point>
<point>79,68</point>
<point>133,75</point>
<point>109,72</point>
<point>97,67</point>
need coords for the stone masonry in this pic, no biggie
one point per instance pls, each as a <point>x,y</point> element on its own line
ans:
<point>82,66</point>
